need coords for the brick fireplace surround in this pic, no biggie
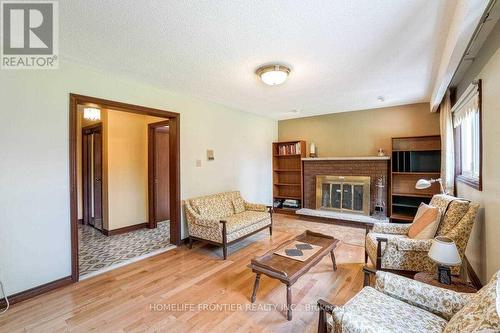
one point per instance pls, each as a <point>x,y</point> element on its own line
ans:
<point>344,166</point>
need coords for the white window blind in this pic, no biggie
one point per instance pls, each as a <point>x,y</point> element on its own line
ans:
<point>467,105</point>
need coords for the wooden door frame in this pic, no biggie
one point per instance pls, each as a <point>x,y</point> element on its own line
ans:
<point>174,157</point>
<point>151,171</point>
<point>85,172</point>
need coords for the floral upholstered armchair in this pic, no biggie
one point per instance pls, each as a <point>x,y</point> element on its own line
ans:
<point>389,247</point>
<point>399,304</point>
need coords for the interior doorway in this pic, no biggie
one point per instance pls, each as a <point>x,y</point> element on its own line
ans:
<point>158,172</point>
<point>92,175</point>
<point>87,179</point>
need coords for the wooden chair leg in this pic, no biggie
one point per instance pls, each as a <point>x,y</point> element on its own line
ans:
<point>224,239</point>
<point>190,245</point>
<point>271,214</point>
<point>367,230</point>
<point>380,240</point>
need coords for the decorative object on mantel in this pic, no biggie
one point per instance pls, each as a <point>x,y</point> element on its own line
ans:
<point>380,205</point>
<point>444,252</point>
<point>312,151</point>
<point>423,184</point>
<point>380,152</point>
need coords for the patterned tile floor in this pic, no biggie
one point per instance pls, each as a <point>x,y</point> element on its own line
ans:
<point>97,251</point>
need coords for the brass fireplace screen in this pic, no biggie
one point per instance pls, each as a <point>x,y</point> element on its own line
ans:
<point>343,193</point>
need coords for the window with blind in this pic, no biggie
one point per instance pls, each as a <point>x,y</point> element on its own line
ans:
<point>467,122</point>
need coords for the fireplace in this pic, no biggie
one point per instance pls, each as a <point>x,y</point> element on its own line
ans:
<point>343,193</point>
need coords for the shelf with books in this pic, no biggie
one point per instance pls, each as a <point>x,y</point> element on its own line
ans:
<point>287,175</point>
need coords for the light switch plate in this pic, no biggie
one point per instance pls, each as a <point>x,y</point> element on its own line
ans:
<point>210,155</point>
<point>198,163</point>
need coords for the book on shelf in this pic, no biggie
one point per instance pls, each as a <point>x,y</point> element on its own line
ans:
<point>289,149</point>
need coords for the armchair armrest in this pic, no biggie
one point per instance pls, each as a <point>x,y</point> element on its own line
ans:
<point>256,207</point>
<point>409,244</point>
<point>442,302</point>
<point>391,228</point>
<point>367,271</point>
<point>193,217</point>
<point>325,307</point>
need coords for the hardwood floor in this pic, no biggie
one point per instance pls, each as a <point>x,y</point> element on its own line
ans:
<point>195,291</point>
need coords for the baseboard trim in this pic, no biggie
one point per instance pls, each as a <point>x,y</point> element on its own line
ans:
<point>33,292</point>
<point>124,229</point>
<point>474,279</point>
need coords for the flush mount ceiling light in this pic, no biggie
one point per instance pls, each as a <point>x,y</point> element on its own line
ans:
<point>273,75</point>
<point>92,114</point>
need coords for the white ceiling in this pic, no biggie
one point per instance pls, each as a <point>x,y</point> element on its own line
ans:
<point>343,54</point>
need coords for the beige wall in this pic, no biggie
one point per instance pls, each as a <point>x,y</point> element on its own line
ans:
<point>360,133</point>
<point>126,168</point>
<point>35,131</point>
<point>483,250</point>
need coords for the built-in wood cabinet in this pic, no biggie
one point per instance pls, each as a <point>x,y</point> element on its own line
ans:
<point>413,158</point>
<point>287,174</point>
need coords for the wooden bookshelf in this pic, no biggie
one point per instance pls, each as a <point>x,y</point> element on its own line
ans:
<point>413,158</point>
<point>287,173</point>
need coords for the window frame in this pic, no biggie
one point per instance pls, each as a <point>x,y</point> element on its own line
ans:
<point>459,177</point>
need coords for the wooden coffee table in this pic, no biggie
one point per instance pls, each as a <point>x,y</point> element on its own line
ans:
<point>288,270</point>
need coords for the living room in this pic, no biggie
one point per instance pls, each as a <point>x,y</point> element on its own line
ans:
<point>327,160</point>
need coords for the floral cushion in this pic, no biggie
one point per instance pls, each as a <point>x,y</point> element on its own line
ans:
<point>453,210</point>
<point>238,205</point>
<point>481,314</point>
<point>371,243</point>
<point>373,311</point>
<point>442,302</point>
<point>391,228</point>
<point>400,252</point>
<point>214,206</point>
<point>239,221</point>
